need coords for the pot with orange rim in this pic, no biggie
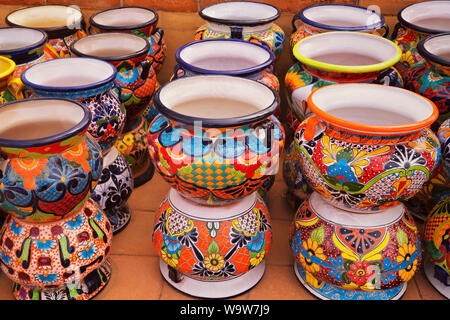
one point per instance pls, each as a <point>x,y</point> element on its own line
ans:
<point>367,146</point>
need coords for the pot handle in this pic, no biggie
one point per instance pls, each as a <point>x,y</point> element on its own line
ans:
<point>146,65</point>
<point>16,86</point>
<point>397,27</point>
<point>386,31</point>
<point>294,19</point>
<point>310,127</point>
<point>178,72</point>
<point>159,33</point>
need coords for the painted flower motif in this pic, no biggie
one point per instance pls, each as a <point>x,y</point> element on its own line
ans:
<point>258,258</point>
<point>29,169</point>
<point>405,254</point>
<point>88,253</point>
<point>312,249</point>
<point>17,229</point>
<point>257,242</point>
<point>47,278</point>
<point>128,139</point>
<point>78,154</point>
<point>214,262</point>
<point>44,245</point>
<point>359,272</point>
<point>172,244</point>
<point>75,223</point>
<point>404,157</point>
<point>122,147</point>
<point>5,258</point>
<point>408,58</point>
<point>169,259</point>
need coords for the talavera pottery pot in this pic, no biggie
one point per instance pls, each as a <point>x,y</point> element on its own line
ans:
<point>245,20</point>
<point>10,87</point>
<point>431,76</point>
<point>89,81</point>
<point>417,22</point>
<point>63,25</point>
<point>225,146</point>
<point>212,252</point>
<point>136,20</point>
<point>327,17</point>
<point>49,164</point>
<point>341,255</point>
<point>113,190</point>
<point>367,146</point>
<point>437,247</point>
<point>25,46</point>
<point>444,139</point>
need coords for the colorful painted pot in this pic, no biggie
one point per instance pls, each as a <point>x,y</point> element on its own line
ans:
<point>89,81</point>
<point>417,22</point>
<point>10,87</point>
<point>113,190</point>
<point>431,76</point>
<point>133,145</point>
<point>136,20</point>
<point>212,252</point>
<point>327,17</point>
<point>246,20</point>
<point>135,78</point>
<point>224,146</point>
<point>341,255</point>
<point>25,46</point>
<point>437,246</point>
<point>63,25</point>
<point>49,164</point>
<point>444,139</point>
<point>368,146</point>
<point>57,260</point>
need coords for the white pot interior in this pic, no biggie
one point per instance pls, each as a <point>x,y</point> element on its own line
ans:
<point>347,48</point>
<point>238,11</point>
<point>216,97</point>
<point>341,16</point>
<point>46,16</point>
<point>35,119</point>
<point>124,17</point>
<point>17,38</point>
<point>222,55</point>
<point>429,14</point>
<point>69,72</point>
<point>439,46</point>
<point>375,105</point>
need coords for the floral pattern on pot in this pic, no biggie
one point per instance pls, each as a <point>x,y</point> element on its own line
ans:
<point>407,40</point>
<point>212,249</point>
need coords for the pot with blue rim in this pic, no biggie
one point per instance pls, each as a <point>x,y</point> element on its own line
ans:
<point>219,141</point>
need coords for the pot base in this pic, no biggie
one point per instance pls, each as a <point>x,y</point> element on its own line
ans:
<point>428,268</point>
<point>330,292</point>
<point>87,289</point>
<point>145,176</point>
<point>215,289</point>
<point>119,217</point>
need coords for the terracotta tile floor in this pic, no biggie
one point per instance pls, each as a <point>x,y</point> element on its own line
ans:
<point>135,273</point>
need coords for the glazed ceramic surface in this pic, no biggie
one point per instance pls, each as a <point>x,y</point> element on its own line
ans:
<point>46,178</point>
<point>417,22</point>
<point>249,21</point>
<point>444,139</point>
<point>353,252</point>
<point>335,17</point>
<point>361,159</point>
<point>63,25</point>
<point>216,160</point>
<point>10,87</point>
<point>136,20</point>
<point>89,81</point>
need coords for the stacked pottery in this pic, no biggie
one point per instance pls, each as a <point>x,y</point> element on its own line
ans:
<point>90,82</point>
<point>215,144</point>
<point>63,25</point>
<point>325,59</point>
<point>245,20</point>
<point>55,240</point>
<point>365,149</point>
<point>335,17</point>
<point>417,22</point>
<point>135,83</point>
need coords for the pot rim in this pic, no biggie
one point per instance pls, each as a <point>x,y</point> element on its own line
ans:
<point>305,20</point>
<point>410,25</point>
<point>215,122</point>
<point>236,72</point>
<point>10,69</point>
<point>430,56</point>
<point>130,27</point>
<point>344,68</point>
<point>373,129</point>
<point>68,88</point>
<point>27,48</point>
<point>30,143</point>
<point>243,23</point>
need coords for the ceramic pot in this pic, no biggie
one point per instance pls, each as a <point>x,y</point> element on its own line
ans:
<point>24,46</point>
<point>431,76</point>
<point>136,20</point>
<point>113,190</point>
<point>10,87</point>
<point>133,145</point>
<point>444,139</point>
<point>417,22</point>
<point>245,20</point>
<point>341,255</point>
<point>363,150</point>
<point>49,164</point>
<point>212,252</point>
<point>57,260</point>
<point>89,81</point>
<point>215,155</point>
<point>335,17</point>
<point>436,242</point>
<point>63,25</point>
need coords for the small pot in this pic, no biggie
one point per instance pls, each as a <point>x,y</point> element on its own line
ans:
<point>212,252</point>
<point>245,20</point>
<point>10,87</point>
